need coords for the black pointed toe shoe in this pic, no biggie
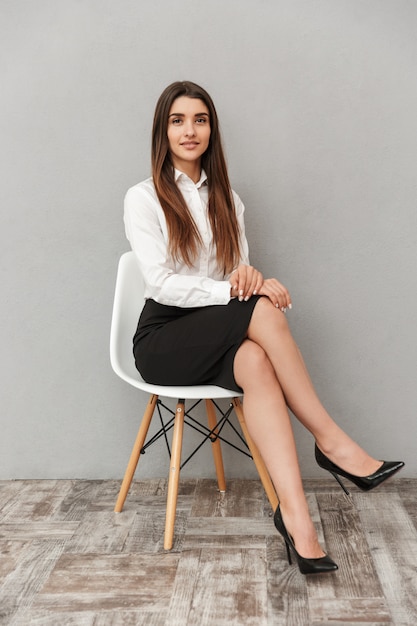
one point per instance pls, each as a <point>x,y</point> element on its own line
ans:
<point>321,565</point>
<point>366,483</point>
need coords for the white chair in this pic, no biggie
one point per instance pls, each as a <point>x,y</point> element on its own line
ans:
<point>128,302</point>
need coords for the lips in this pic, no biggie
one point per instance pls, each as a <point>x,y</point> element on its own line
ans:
<point>189,144</point>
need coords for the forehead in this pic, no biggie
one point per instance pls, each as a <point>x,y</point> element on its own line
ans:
<point>188,106</point>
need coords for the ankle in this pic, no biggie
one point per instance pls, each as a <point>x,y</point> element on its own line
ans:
<point>302,533</point>
<point>297,520</point>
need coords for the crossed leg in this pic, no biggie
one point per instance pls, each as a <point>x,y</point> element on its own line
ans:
<point>269,368</point>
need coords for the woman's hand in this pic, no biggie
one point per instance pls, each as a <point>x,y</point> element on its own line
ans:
<point>245,282</point>
<point>277,293</point>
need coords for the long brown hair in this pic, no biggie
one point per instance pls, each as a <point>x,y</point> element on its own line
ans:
<point>184,238</point>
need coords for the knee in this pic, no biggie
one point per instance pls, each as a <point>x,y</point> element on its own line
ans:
<point>252,365</point>
<point>266,315</point>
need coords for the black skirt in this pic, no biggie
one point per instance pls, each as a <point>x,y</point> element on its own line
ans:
<point>191,346</point>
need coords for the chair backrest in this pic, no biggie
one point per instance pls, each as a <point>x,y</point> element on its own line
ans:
<point>128,303</point>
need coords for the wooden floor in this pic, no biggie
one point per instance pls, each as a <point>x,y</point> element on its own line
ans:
<point>67,559</point>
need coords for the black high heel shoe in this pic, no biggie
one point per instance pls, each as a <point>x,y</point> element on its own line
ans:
<point>306,566</point>
<point>366,483</point>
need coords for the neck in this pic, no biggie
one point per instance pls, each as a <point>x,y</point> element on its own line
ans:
<point>192,170</point>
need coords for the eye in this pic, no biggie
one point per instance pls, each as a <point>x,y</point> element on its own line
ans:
<point>176,121</point>
<point>201,120</point>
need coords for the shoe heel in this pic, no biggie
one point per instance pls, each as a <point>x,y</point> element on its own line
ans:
<point>340,483</point>
<point>288,553</point>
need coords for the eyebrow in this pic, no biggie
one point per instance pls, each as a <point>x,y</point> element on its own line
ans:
<point>183,115</point>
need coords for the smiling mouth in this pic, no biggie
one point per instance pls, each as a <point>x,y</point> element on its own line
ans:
<point>189,144</point>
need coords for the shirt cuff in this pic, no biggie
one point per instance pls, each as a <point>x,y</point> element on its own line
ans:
<point>221,292</point>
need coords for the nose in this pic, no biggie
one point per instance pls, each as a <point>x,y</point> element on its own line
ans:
<point>189,128</point>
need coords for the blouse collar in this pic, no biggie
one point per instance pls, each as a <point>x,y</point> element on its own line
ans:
<point>180,175</point>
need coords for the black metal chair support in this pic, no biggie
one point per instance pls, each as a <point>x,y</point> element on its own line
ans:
<point>207,433</point>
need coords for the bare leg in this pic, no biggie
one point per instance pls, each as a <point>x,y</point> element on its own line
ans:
<point>267,419</point>
<point>269,329</point>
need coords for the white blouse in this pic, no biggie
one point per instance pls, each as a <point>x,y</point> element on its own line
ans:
<point>168,281</point>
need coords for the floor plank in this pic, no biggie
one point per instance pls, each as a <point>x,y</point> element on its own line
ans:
<point>94,582</point>
<point>350,611</point>
<point>118,617</point>
<point>37,530</point>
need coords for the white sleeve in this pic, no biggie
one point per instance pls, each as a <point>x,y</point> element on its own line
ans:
<point>146,231</point>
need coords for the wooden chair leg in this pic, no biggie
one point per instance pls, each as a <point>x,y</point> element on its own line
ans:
<point>260,465</point>
<point>174,475</point>
<point>134,457</point>
<point>216,447</point>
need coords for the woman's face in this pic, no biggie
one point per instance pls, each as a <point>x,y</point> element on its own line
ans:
<point>188,132</point>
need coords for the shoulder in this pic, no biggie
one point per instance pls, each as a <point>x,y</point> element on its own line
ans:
<point>141,203</point>
<point>144,189</point>
<point>142,198</point>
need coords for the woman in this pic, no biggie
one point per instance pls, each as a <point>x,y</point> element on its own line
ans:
<point>212,318</point>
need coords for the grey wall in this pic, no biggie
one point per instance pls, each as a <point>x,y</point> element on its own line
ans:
<point>318,104</point>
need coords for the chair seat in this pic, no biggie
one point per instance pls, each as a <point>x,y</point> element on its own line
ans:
<point>191,392</point>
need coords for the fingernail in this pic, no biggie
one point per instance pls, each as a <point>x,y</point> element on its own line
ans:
<point>241,292</point>
<point>282,309</point>
<point>255,292</point>
<point>240,298</point>
<point>247,298</point>
<point>277,306</point>
<point>290,306</point>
